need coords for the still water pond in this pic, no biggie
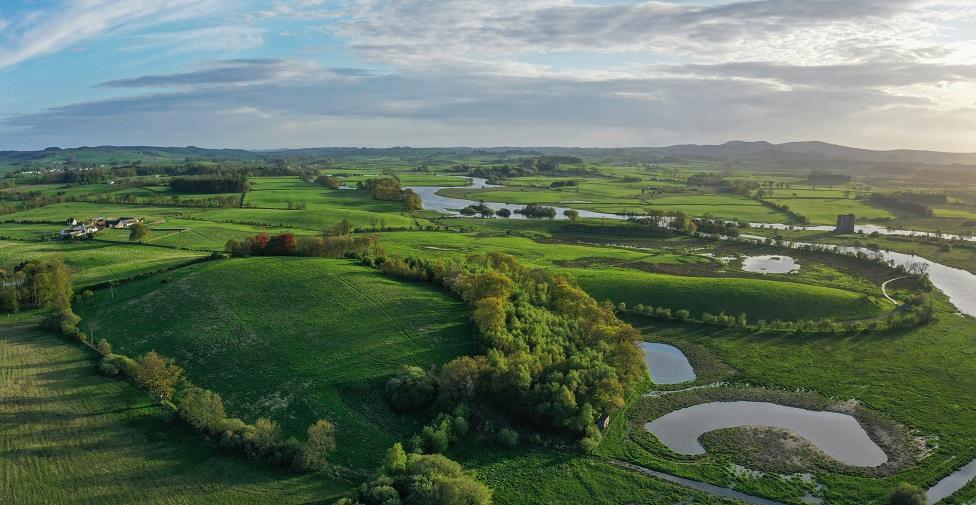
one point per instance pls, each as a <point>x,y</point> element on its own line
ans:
<point>770,264</point>
<point>666,363</point>
<point>837,435</point>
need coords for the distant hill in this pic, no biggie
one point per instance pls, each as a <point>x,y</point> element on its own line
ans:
<point>791,155</point>
<point>810,151</point>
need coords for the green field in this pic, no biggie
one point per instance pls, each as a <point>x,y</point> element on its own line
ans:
<point>292,339</point>
<point>758,299</point>
<point>71,436</point>
<point>93,262</point>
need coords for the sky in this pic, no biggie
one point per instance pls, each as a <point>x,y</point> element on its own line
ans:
<point>263,74</point>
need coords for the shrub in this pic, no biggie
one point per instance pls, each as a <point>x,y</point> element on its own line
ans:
<point>321,442</point>
<point>113,365</point>
<point>907,494</point>
<point>411,389</point>
<point>158,374</point>
<point>104,347</point>
<point>507,437</point>
<point>203,409</point>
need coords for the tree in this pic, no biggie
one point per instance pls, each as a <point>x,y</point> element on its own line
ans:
<point>343,228</point>
<point>412,201</point>
<point>138,232</point>
<point>321,442</point>
<point>267,434</point>
<point>104,347</point>
<point>158,374</point>
<point>503,212</point>
<point>571,214</point>
<point>411,389</point>
<point>396,460</point>
<point>203,409</point>
<point>907,494</point>
<point>329,181</point>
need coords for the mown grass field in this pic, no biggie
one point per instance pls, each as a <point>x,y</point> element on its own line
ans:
<point>758,299</point>
<point>93,262</point>
<point>71,436</point>
<point>292,339</point>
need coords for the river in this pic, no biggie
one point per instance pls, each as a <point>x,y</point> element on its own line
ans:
<point>959,285</point>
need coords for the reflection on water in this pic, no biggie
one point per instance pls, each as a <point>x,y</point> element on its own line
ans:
<point>666,363</point>
<point>770,264</point>
<point>837,435</point>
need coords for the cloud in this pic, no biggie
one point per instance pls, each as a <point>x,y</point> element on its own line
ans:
<point>238,72</point>
<point>776,29</point>
<point>41,33</point>
<point>280,103</point>
<point>215,38</point>
<point>859,75</point>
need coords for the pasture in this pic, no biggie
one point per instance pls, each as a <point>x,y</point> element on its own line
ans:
<point>292,339</point>
<point>71,436</point>
<point>93,262</point>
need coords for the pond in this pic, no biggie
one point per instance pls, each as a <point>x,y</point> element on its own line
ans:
<point>770,264</point>
<point>838,435</point>
<point>666,363</point>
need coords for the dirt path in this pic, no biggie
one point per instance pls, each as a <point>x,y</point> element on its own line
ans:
<point>884,290</point>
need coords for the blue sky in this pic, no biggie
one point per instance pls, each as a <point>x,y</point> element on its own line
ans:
<point>297,73</point>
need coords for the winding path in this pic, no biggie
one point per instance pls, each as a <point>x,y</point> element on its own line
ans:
<point>884,290</point>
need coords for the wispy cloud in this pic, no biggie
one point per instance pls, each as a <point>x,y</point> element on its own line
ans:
<point>41,33</point>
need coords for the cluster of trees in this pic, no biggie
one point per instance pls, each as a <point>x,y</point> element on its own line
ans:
<point>209,202</point>
<point>535,210</point>
<point>36,284</point>
<point>286,244</point>
<point>717,227</point>
<point>556,358</point>
<point>329,181</point>
<point>824,177</point>
<point>204,410</point>
<point>916,203</point>
<point>674,221</point>
<point>420,479</point>
<point>723,183</point>
<point>388,188</point>
<point>479,209</point>
<point>188,167</point>
<point>566,183</point>
<point>210,184</point>
<point>525,167</point>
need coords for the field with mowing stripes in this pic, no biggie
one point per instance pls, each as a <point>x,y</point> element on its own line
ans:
<point>71,436</point>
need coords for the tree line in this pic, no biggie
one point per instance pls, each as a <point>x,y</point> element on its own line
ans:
<point>210,184</point>
<point>286,244</point>
<point>556,359</point>
<point>204,410</point>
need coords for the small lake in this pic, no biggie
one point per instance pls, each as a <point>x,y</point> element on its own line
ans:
<point>666,363</point>
<point>838,435</point>
<point>770,264</point>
